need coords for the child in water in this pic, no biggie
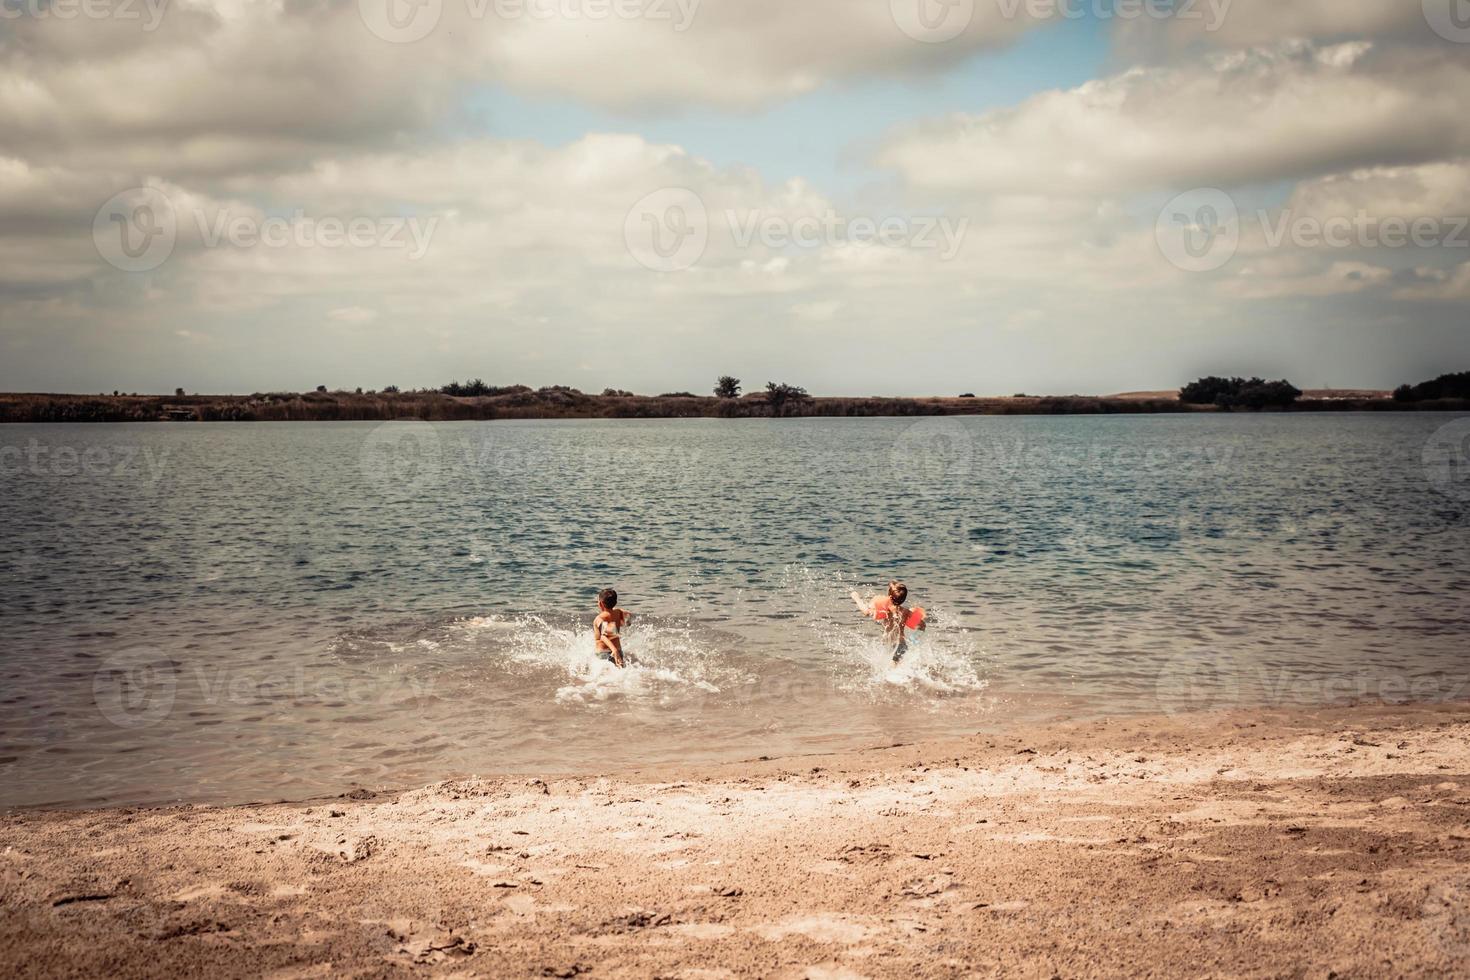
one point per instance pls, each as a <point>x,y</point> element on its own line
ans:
<point>894,615</point>
<point>607,628</point>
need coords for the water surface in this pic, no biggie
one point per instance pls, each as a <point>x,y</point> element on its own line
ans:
<point>248,611</point>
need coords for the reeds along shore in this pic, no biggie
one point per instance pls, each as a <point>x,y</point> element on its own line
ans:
<point>566,403</point>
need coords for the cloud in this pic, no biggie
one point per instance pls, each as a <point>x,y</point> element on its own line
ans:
<point>218,88</point>
<point>530,254</point>
<point>1287,112</point>
<point>288,113</point>
<point>213,90</point>
<point>352,315</point>
<point>819,311</point>
<point>1440,189</point>
<point>736,54</point>
<point>1294,276</point>
<point>1261,22</point>
<point>1389,228</point>
<point>1436,285</point>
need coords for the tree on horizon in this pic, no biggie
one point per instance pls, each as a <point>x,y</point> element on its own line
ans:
<point>1229,393</point>
<point>782,397</point>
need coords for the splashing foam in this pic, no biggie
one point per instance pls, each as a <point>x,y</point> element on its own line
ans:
<point>938,661</point>
<point>665,663</point>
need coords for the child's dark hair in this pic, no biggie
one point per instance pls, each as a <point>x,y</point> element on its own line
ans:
<point>898,592</point>
<point>608,598</point>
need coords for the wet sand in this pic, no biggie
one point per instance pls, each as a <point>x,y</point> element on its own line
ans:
<point>1261,843</point>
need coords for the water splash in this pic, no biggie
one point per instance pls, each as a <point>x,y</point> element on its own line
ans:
<point>664,660</point>
<point>940,661</point>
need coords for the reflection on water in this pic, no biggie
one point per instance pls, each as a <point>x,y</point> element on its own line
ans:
<point>228,612</point>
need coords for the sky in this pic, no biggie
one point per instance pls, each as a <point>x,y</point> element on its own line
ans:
<point>862,197</point>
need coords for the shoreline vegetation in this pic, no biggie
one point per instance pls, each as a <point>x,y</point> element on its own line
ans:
<point>560,402</point>
<point>477,401</point>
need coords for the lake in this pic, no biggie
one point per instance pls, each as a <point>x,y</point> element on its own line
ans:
<point>238,611</point>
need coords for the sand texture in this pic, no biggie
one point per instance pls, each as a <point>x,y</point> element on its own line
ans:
<point>1266,843</point>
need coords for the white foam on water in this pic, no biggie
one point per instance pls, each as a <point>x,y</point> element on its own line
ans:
<point>664,663</point>
<point>486,623</point>
<point>939,662</point>
<point>936,663</point>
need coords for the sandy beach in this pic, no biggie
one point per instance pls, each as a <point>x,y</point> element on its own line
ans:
<point>1250,843</point>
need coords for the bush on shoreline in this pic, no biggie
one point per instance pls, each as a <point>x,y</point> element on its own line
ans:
<point>1445,386</point>
<point>1231,393</point>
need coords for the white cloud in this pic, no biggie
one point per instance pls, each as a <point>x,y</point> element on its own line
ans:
<point>1437,285</point>
<point>227,87</point>
<point>1290,276</point>
<point>819,311</point>
<point>352,315</point>
<point>1268,114</point>
<point>735,54</point>
<point>1440,189</point>
<point>252,110</point>
<point>1255,22</point>
<point>268,86</point>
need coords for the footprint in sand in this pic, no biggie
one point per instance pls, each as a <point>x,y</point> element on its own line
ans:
<point>830,972</point>
<point>521,904</point>
<point>822,928</point>
<point>702,930</point>
<point>303,972</point>
<point>928,886</point>
<point>1006,906</point>
<point>254,829</point>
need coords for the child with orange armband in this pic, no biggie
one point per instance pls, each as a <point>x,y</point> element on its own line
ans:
<point>894,615</point>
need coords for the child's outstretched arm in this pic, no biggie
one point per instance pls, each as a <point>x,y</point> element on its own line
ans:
<point>863,607</point>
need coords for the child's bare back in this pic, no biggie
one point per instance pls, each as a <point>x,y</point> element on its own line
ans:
<point>894,615</point>
<point>607,628</point>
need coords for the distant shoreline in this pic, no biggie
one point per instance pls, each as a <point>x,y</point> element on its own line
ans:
<point>565,403</point>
